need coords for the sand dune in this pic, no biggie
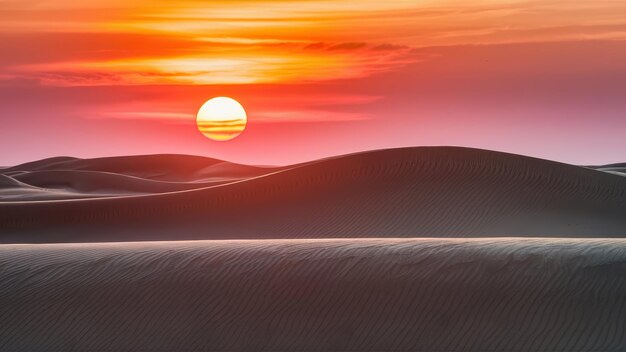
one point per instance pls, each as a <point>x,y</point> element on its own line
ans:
<point>166,167</point>
<point>618,169</point>
<point>65,178</point>
<point>49,163</point>
<point>316,295</point>
<point>104,183</point>
<point>293,294</point>
<point>7,182</point>
<point>11,189</point>
<point>412,192</point>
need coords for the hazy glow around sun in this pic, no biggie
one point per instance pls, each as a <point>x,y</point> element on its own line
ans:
<point>221,119</point>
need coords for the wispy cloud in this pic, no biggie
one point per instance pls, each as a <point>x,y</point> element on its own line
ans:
<point>116,42</point>
<point>271,116</point>
<point>262,116</point>
<point>143,115</point>
<point>272,109</point>
<point>223,65</point>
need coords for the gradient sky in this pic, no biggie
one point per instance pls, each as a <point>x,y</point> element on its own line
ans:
<point>317,78</point>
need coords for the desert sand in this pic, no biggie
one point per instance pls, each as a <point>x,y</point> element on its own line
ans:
<point>410,192</point>
<point>415,249</point>
<point>510,294</point>
<point>617,169</point>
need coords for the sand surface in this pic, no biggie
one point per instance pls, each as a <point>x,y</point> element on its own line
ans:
<point>617,169</point>
<point>506,294</point>
<point>71,178</point>
<point>410,192</point>
<point>341,254</point>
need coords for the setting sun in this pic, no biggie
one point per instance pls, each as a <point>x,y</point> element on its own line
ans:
<point>221,119</point>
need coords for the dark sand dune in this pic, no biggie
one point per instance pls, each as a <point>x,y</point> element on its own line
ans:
<point>166,167</point>
<point>412,192</point>
<point>44,164</point>
<point>101,183</point>
<point>11,189</point>
<point>358,294</point>
<point>65,178</point>
<point>7,182</point>
<point>619,169</point>
<point>316,295</point>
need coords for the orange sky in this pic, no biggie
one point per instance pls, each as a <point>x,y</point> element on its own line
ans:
<point>243,42</point>
<point>309,61</point>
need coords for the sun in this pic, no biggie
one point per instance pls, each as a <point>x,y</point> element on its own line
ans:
<point>221,119</point>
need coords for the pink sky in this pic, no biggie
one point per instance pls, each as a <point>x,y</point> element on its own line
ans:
<point>317,78</point>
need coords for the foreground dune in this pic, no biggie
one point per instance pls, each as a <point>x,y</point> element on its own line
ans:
<point>409,192</point>
<point>316,295</point>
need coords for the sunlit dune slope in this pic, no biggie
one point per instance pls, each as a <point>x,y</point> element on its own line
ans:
<point>430,191</point>
<point>315,295</point>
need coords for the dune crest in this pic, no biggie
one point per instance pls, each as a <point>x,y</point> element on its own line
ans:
<point>618,169</point>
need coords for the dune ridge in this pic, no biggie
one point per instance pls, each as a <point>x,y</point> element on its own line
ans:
<point>618,169</point>
<point>64,178</point>
<point>410,192</point>
<point>101,183</point>
<point>163,167</point>
<point>510,294</point>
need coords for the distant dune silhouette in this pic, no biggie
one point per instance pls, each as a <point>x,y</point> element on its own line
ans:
<point>618,169</point>
<point>408,192</point>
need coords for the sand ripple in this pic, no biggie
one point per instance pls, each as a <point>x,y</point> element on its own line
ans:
<point>316,295</point>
